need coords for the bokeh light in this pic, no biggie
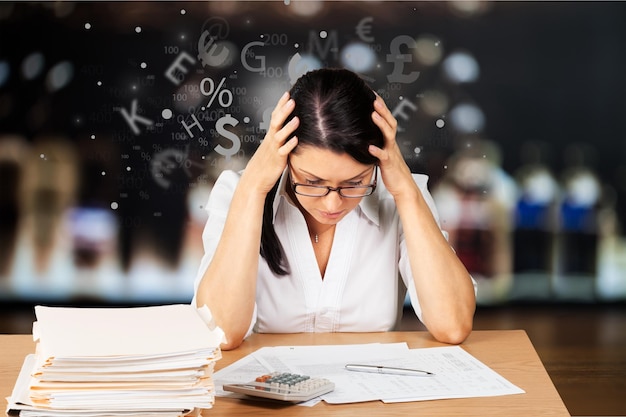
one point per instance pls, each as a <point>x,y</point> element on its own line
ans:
<point>461,67</point>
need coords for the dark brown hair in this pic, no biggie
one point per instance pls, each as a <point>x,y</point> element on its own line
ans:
<point>334,107</point>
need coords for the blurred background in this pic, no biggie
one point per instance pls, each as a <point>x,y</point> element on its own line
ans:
<point>117,117</point>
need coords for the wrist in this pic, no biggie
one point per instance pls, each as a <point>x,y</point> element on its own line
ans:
<point>254,186</point>
<point>410,200</point>
<point>406,193</point>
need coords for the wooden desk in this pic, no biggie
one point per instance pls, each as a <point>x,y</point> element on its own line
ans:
<point>508,352</point>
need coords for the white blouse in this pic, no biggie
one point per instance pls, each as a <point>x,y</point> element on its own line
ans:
<point>361,290</point>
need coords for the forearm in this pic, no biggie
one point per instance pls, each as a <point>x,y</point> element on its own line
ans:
<point>443,285</point>
<point>228,286</point>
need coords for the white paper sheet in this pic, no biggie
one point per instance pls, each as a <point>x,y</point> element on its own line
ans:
<point>457,373</point>
<point>106,332</point>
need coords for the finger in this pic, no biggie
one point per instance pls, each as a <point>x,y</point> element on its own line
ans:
<point>383,111</point>
<point>278,132</point>
<point>280,113</point>
<point>281,102</point>
<point>287,130</point>
<point>280,135</point>
<point>283,99</point>
<point>379,153</point>
<point>387,130</point>
<point>288,146</point>
<point>381,107</point>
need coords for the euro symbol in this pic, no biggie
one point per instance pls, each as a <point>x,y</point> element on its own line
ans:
<point>217,27</point>
<point>364,28</point>
<point>207,51</point>
<point>163,165</point>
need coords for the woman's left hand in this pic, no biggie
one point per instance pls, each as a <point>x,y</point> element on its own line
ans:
<point>394,170</point>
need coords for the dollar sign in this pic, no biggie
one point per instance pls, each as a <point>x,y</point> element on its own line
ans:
<point>398,59</point>
<point>219,126</point>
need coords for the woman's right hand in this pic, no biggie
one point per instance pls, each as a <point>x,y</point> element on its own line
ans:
<point>270,158</point>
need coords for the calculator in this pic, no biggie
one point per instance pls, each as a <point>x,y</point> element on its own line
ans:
<point>284,386</point>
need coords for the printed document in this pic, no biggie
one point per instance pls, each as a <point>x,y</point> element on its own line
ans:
<point>457,373</point>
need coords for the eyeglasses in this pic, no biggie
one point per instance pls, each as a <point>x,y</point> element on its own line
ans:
<point>355,191</point>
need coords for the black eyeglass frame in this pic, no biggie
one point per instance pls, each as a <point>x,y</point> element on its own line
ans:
<point>371,187</point>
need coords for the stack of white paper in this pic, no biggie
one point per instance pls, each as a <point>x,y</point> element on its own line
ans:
<point>141,361</point>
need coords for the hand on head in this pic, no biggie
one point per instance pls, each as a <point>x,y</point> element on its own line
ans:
<point>270,158</point>
<point>393,167</point>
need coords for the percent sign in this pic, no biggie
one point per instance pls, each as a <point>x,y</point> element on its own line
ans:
<point>224,97</point>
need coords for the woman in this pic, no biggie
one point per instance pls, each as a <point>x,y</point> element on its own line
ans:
<point>312,234</point>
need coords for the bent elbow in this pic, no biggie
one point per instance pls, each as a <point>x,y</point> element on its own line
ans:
<point>454,335</point>
<point>456,338</point>
<point>234,338</point>
<point>232,341</point>
<point>230,345</point>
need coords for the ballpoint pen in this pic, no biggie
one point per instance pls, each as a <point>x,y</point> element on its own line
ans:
<point>378,369</point>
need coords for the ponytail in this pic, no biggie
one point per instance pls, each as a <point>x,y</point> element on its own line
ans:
<point>271,249</point>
